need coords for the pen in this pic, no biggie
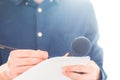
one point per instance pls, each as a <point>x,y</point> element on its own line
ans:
<point>7,47</point>
<point>65,55</point>
<point>12,48</point>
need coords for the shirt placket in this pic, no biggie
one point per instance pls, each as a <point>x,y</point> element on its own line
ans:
<point>41,34</point>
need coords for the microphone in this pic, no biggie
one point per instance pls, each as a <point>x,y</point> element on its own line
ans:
<point>80,46</point>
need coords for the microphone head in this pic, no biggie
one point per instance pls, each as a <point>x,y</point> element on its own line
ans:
<point>80,46</point>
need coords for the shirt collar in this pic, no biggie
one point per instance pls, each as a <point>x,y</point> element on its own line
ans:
<point>17,2</point>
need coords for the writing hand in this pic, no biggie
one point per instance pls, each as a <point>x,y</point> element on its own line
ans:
<point>21,60</point>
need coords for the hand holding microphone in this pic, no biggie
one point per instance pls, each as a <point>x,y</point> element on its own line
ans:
<point>81,46</point>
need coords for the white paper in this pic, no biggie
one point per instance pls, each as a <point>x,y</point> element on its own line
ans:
<point>51,69</point>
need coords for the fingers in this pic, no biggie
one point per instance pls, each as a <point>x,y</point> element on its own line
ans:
<point>27,61</point>
<point>26,57</point>
<point>76,68</point>
<point>15,71</point>
<point>29,53</point>
<point>74,72</point>
<point>42,54</point>
<point>22,60</point>
<point>75,76</point>
<point>82,72</point>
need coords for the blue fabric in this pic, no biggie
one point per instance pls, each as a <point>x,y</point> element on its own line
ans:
<point>60,22</point>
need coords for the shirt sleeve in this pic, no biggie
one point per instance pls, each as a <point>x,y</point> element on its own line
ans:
<point>92,33</point>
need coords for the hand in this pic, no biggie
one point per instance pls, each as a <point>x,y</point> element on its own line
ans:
<point>82,72</point>
<point>21,60</point>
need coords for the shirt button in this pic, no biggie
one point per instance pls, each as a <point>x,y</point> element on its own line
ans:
<point>39,10</point>
<point>51,0</point>
<point>39,34</point>
<point>26,3</point>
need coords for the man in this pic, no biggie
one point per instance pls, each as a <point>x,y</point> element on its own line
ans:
<point>38,28</point>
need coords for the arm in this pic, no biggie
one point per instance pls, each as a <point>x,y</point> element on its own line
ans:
<point>96,53</point>
<point>94,69</point>
<point>92,32</point>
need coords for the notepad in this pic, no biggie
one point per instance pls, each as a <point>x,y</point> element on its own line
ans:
<point>51,69</point>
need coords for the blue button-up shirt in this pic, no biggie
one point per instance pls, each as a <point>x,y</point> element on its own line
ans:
<point>51,26</point>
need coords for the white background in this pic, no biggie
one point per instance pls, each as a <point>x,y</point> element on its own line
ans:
<point>108,16</point>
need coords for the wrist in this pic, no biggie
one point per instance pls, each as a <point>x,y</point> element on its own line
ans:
<point>3,72</point>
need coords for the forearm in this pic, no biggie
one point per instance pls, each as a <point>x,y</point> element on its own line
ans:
<point>3,74</point>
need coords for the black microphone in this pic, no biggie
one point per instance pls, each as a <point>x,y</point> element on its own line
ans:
<point>80,46</point>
